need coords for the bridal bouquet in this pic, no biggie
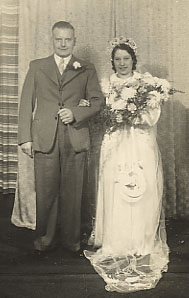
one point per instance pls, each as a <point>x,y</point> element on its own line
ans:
<point>126,101</point>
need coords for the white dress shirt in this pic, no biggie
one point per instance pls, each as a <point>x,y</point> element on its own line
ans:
<point>58,59</point>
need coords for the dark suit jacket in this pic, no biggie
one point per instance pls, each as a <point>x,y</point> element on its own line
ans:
<point>41,99</point>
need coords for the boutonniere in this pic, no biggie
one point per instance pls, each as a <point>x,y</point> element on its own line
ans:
<point>76,65</point>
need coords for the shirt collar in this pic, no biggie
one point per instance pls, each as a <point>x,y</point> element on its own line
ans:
<point>58,59</point>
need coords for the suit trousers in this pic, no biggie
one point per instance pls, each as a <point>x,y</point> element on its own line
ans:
<point>59,184</point>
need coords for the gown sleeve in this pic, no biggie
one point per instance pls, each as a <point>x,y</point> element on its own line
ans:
<point>149,118</point>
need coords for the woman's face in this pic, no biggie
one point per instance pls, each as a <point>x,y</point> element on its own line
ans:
<point>123,63</point>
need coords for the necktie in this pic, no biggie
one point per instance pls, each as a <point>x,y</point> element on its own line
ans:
<point>61,66</point>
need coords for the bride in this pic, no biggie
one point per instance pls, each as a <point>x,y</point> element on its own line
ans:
<point>130,250</point>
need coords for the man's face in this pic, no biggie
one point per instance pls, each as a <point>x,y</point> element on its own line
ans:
<point>63,41</point>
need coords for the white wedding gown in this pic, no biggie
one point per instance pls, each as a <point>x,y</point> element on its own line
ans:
<point>129,231</point>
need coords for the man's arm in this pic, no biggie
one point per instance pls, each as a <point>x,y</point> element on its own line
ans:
<point>27,104</point>
<point>94,95</point>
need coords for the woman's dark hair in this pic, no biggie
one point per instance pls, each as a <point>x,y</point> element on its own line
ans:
<point>127,48</point>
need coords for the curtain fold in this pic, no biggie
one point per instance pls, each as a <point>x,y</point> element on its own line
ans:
<point>161,30</point>
<point>8,94</point>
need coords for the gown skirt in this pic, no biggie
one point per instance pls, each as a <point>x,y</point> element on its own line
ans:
<point>130,250</point>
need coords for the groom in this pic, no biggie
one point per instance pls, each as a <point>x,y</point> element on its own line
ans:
<point>53,128</point>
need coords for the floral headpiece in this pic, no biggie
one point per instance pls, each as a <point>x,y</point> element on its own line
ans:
<point>123,40</point>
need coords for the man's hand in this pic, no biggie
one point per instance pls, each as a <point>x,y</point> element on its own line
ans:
<point>66,116</point>
<point>27,148</point>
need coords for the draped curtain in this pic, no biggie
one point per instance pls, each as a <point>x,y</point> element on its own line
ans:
<point>160,29</point>
<point>8,94</point>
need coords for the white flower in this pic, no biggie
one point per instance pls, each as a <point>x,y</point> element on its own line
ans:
<point>164,96</point>
<point>131,107</point>
<point>119,118</point>
<point>76,65</point>
<point>165,85</point>
<point>155,99</point>
<point>134,83</point>
<point>128,93</point>
<point>148,79</point>
<point>119,105</point>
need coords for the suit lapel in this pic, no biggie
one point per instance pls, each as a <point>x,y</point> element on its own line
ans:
<point>49,68</point>
<point>71,72</point>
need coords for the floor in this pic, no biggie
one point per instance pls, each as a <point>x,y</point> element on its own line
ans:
<point>59,275</point>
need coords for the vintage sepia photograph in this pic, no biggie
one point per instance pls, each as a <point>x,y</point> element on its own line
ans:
<point>94,148</point>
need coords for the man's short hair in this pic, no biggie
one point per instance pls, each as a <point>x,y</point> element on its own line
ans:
<point>63,25</point>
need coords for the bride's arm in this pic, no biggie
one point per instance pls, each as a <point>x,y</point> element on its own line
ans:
<point>149,117</point>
